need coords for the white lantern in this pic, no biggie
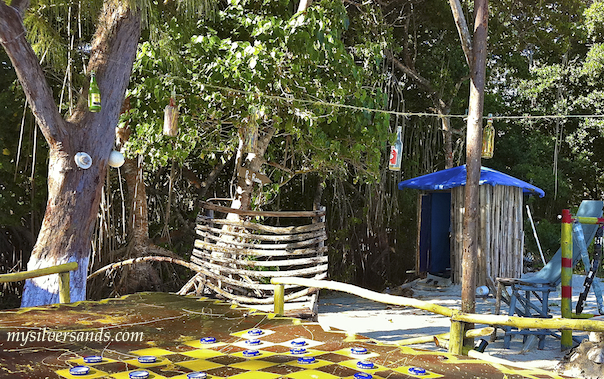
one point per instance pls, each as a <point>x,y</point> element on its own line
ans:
<point>116,159</point>
<point>83,160</point>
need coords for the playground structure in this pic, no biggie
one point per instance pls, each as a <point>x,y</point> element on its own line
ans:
<point>529,297</point>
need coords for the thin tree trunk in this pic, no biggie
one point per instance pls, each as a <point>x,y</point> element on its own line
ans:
<point>473,151</point>
<point>254,162</point>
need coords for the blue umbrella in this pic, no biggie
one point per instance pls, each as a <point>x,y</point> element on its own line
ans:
<point>456,176</point>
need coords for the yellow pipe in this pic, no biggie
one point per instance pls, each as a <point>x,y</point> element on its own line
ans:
<point>589,220</point>
<point>18,276</point>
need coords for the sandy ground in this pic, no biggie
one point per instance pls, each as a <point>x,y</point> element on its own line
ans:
<point>390,323</point>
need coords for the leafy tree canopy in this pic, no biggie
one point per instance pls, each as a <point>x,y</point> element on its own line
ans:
<point>256,63</point>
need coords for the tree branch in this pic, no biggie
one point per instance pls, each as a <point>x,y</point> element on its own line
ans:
<point>25,62</point>
<point>462,29</point>
<point>412,73</point>
<point>20,5</point>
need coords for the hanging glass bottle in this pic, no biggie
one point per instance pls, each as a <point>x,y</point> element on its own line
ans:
<point>251,131</point>
<point>171,118</point>
<point>94,94</point>
<point>488,139</point>
<point>396,151</point>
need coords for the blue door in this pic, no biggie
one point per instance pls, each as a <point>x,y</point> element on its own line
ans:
<point>434,246</point>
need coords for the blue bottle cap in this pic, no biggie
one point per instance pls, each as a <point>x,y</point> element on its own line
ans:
<point>362,375</point>
<point>417,371</point>
<point>93,359</point>
<point>79,370</point>
<point>208,340</point>
<point>147,359</point>
<point>251,353</point>
<point>298,343</point>
<point>255,332</point>
<point>253,342</point>
<point>306,360</point>
<point>365,365</point>
<point>197,375</point>
<point>140,374</point>
<point>298,351</point>
<point>358,350</point>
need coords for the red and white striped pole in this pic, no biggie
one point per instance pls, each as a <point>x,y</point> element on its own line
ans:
<point>567,276</point>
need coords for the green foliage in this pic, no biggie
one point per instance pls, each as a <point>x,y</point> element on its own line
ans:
<point>257,60</point>
<point>594,20</point>
<point>22,194</point>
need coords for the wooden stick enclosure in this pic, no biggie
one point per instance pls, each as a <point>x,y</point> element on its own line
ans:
<point>63,271</point>
<point>237,256</point>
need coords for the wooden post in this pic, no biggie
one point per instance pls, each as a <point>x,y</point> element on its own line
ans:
<point>473,164</point>
<point>566,276</point>
<point>456,336</point>
<point>64,294</point>
<point>279,299</point>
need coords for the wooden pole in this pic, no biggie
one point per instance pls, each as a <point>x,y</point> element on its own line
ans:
<point>566,276</point>
<point>64,294</point>
<point>445,336</point>
<point>456,336</point>
<point>17,276</point>
<point>279,299</point>
<point>455,315</point>
<point>473,152</point>
<point>365,293</point>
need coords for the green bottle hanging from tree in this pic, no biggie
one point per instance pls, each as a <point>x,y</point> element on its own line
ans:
<point>94,94</point>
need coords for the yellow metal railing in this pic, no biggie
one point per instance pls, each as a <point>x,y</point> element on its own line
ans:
<point>456,335</point>
<point>63,271</point>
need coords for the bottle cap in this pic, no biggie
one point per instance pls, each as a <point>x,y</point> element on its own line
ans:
<point>147,359</point>
<point>93,359</point>
<point>306,360</point>
<point>139,374</point>
<point>251,353</point>
<point>79,370</point>
<point>365,365</point>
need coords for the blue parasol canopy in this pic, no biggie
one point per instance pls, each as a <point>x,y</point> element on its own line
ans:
<point>456,176</point>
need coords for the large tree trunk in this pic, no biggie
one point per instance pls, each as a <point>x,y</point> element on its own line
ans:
<point>73,193</point>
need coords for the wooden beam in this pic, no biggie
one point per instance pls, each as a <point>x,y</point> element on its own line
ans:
<point>240,212</point>
<point>18,276</point>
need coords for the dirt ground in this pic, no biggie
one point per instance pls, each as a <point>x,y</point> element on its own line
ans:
<point>391,323</point>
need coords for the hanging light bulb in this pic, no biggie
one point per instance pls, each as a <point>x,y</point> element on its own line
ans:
<point>488,138</point>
